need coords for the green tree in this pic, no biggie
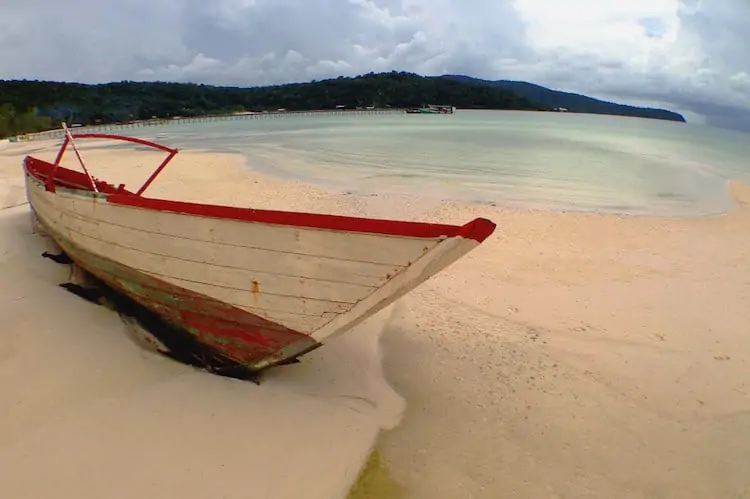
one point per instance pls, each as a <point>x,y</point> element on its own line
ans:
<point>125,101</point>
<point>14,123</point>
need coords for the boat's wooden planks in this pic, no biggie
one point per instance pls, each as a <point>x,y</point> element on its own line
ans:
<point>244,337</point>
<point>260,301</point>
<point>371,248</point>
<point>431,263</point>
<point>300,318</point>
<point>188,262</point>
<point>262,262</point>
<point>275,298</point>
<point>278,308</point>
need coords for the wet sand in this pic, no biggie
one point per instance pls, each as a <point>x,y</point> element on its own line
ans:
<point>572,355</point>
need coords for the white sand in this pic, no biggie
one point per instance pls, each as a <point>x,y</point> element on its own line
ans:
<point>579,356</point>
<point>85,413</point>
<point>571,356</point>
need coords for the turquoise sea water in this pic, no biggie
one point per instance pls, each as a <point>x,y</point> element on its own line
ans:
<point>540,160</point>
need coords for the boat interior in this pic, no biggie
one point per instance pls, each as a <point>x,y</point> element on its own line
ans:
<point>64,177</point>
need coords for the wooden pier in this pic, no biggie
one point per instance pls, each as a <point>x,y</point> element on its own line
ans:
<point>119,127</point>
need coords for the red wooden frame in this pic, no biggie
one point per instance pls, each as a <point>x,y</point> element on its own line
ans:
<point>67,141</point>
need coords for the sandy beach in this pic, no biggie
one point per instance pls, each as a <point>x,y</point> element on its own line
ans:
<point>572,355</point>
<point>579,355</point>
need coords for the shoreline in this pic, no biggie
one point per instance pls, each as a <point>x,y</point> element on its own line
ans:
<point>319,185</point>
<point>694,189</point>
<point>296,167</point>
<point>364,194</point>
<point>114,127</point>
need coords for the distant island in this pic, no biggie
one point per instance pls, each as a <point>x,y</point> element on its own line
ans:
<point>574,103</point>
<point>30,106</point>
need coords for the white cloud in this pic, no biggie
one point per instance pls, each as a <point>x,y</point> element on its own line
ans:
<point>612,27</point>
<point>685,54</point>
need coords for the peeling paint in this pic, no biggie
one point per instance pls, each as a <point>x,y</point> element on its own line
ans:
<point>255,290</point>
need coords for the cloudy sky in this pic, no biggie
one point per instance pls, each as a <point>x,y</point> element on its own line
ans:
<point>692,56</point>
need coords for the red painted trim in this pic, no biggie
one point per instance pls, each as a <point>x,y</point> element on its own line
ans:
<point>156,173</point>
<point>42,171</point>
<point>134,140</point>
<point>50,177</point>
<point>478,229</point>
<point>69,141</point>
<point>61,152</point>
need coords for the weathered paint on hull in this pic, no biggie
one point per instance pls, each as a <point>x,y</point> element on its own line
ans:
<point>201,330</point>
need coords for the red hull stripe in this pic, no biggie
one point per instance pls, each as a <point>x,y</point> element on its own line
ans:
<point>478,229</point>
<point>64,177</point>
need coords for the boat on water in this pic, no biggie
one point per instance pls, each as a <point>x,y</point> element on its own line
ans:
<point>236,290</point>
<point>432,109</point>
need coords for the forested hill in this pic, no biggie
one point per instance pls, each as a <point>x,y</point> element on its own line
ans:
<point>125,101</point>
<point>28,106</point>
<point>575,103</point>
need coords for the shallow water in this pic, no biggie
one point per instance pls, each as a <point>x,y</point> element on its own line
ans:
<point>539,160</point>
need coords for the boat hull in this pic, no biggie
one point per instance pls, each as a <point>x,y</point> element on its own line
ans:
<point>256,288</point>
<point>192,328</point>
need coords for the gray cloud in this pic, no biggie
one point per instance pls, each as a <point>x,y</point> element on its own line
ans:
<point>689,55</point>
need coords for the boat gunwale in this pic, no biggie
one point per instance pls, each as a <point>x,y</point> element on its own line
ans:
<point>478,229</point>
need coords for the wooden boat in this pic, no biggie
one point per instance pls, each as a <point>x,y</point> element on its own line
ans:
<point>235,288</point>
<point>421,110</point>
<point>432,109</point>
